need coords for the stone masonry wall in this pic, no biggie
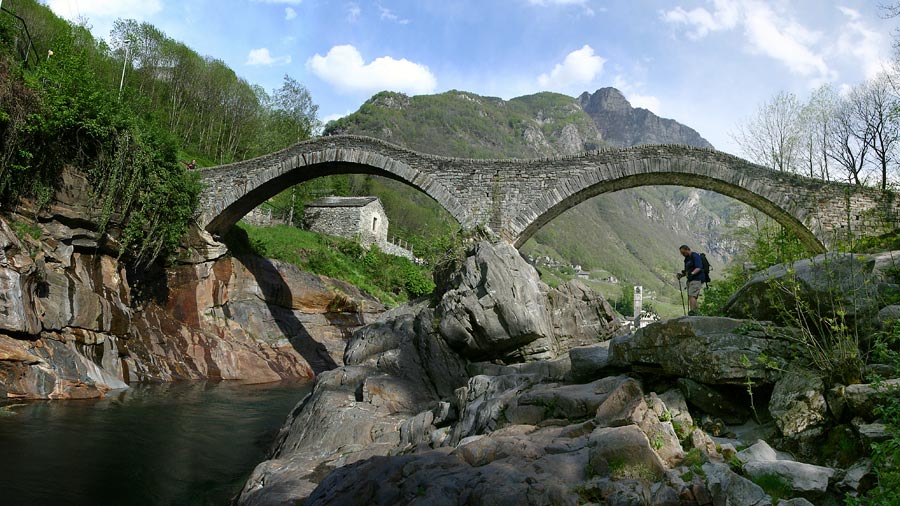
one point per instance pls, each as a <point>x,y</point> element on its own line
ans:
<point>516,197</point>
<point>355,223</point>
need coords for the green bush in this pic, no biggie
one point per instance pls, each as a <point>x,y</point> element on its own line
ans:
<point>61,112</point>
<point>885,458</point>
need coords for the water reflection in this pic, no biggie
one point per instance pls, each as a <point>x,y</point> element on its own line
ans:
<point>181,443</point>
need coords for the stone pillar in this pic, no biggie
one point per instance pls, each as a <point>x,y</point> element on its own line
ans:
<point>638,302</point>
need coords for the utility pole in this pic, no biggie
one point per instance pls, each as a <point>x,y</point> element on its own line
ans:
<point>127,43</point>
<point>638,305</point>
<point>291,211</point>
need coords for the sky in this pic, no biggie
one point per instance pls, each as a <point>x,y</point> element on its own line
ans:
<point>706,63</point>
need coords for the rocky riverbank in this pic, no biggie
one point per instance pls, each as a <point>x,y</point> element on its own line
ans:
<point>75,323</point>
<point>450,404</point>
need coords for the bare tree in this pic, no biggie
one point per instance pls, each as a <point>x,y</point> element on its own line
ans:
<point>817,119</point>
<point>874,104</point>
<point>848,142</point>
<point>773,136</point>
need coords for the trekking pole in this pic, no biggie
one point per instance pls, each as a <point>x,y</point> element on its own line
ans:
<point>681,291</point>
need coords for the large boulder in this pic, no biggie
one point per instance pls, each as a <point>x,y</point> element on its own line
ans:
<point>625,451</point>
<point>758,452</point>
<point>798,404</point>
<point>579,316</point>
<point>387,396</point>
<point>497,308</point>
<point>713,402</point>
<point>497,304</point>
<point>727,487</point>
<point>831,283</point>
<point>589,362</point>
<point>518,465</point>
<point>705,349</point>
<point>859,400</point>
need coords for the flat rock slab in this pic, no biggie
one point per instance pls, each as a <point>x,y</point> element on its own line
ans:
<point>589,362</point>
<point>802,478</point>
<point>729,488</point>
<point>704,349</point>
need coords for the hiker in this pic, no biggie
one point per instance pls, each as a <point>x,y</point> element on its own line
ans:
<point>191,166</point>
<point>693,269</point>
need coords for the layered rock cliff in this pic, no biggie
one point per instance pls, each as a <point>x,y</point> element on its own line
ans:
<point>75,322</point>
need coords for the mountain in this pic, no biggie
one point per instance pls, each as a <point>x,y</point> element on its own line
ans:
<point>633,234</point>
<point>622,125</point>
<point>463,124</point>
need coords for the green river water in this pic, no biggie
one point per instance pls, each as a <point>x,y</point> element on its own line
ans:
<point>188,443</point>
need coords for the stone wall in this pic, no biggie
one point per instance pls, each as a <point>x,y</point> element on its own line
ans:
<point>259,217</point>
<point>516,198</point>
<point>367,224</point>
<point>396,250</point>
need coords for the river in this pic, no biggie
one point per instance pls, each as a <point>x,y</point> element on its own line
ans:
<point>189,443</point>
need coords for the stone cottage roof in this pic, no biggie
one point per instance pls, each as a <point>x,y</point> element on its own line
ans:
<point>342,202</point>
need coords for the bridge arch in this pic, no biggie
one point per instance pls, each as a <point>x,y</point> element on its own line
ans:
<point>733,177</point>
<point>515,198</point>
<point>231,191</point>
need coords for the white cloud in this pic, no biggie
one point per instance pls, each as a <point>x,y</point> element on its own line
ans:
<point>630,90</point>
<point>289,2</point>
<point>775,35</point>
<point>557,2</point>
<point>289,13</point>
<point>580,67</point>
<point>853,14</point>
<point>353,12</point>
<point>862,45</point>
<point>135,9</point>
<point>784,40</point>
<point>584,4</point>
<point>345,69</point>
<point>262,56</point>
<point>388,15</point>
<point>648,102</point>
<point>724,17</point>
<point>333,117</point>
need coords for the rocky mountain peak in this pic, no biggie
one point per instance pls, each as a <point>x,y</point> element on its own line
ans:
<point>605,99</point>
<point>620,124</point>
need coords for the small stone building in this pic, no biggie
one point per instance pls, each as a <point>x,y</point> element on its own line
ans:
<point>357,218</point>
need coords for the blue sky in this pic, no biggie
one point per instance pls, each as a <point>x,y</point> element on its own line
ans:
<point>705,63</point>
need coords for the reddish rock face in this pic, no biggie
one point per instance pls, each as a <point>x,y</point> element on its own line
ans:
<point>72,324</point>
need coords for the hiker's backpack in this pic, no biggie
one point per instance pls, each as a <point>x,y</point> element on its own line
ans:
<point>705,267</point>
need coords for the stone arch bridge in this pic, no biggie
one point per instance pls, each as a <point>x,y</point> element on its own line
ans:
<point>516,197</point>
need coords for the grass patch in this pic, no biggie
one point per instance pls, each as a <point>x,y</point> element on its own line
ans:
<point>842,446</point>
<point>777,487</point>
<point>694,460</point>
<point>620,470</point>
<point>391,279</point>
<point>25,229</point>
